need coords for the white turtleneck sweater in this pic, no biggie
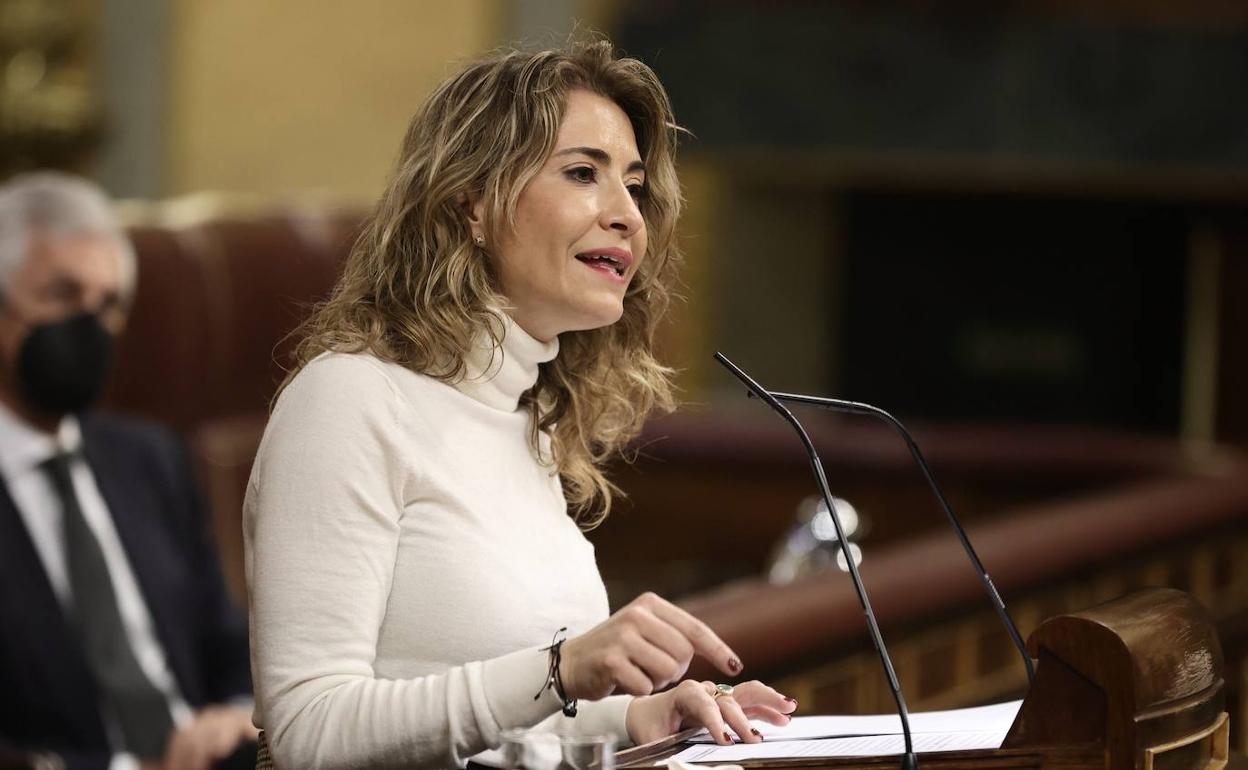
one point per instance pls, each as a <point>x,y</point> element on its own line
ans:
<point>407,556</point>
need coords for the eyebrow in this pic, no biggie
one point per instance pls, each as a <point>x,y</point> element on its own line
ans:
<point>602,156</point>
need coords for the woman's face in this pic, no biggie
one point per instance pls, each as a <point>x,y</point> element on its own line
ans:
<point>579,237</point>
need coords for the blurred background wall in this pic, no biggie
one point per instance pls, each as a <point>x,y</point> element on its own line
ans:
<point>1022,226</point>
<point>235,81</point>
<point>849,161</point>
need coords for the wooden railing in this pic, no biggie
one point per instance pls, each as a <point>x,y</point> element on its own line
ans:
<point>949,649</point>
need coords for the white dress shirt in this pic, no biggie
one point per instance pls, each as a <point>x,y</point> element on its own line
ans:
<point>22,449</point>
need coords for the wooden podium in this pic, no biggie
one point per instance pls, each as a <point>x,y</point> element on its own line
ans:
<point>1132,684</point>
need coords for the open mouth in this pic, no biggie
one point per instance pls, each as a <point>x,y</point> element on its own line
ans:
<point>604,262</point>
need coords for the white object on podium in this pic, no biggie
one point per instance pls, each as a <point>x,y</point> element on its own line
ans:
<point>983,727</point>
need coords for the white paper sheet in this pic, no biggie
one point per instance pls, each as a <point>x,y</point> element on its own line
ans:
<point>998,716</point>
<point>862,746</point>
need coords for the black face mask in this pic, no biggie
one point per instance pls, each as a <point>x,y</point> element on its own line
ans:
<point>62,366</point>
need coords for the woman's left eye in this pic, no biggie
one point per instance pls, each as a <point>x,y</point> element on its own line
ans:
<point>589,175</point>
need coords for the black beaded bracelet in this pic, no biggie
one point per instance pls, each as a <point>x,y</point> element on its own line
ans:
<point>554,677</point>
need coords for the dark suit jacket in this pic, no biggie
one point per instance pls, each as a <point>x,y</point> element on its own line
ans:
<point>48,699</point>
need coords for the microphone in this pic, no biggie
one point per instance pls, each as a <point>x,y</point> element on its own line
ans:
<point>856,407</point>
<point>909,760</point>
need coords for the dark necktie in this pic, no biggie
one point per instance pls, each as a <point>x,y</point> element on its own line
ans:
<point>141,710</point>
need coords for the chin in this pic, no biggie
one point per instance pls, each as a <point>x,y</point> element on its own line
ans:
<point>599,317</point>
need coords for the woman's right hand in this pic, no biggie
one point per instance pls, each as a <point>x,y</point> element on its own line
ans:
<point>641,649</point>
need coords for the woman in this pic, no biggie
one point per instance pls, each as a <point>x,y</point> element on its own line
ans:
<point>410,553</point>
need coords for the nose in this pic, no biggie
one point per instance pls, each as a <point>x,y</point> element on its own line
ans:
<point>106,305</point>
<point>621,213</point>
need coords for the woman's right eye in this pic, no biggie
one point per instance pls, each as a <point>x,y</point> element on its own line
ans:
<point>581,174</point>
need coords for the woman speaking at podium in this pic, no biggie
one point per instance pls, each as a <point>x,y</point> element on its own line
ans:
<point>418,575</point>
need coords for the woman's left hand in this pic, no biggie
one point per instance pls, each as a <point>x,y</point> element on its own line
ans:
<point>693,704</point>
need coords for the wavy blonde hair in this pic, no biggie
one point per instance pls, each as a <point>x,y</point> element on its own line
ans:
<point>416,290</point>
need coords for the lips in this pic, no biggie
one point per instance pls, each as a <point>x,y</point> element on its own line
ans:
<point>611,261</point>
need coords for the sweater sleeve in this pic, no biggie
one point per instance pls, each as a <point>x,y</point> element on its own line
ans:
<point>604,717</point>
<point>322,530</point>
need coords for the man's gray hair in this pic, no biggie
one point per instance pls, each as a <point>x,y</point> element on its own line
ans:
<point>58,205</point>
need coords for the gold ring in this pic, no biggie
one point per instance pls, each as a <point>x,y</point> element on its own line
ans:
<point>720,690</point>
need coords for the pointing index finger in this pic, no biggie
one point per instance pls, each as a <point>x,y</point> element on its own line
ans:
<point>705,641</point>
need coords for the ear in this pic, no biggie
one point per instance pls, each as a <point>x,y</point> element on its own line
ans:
<point>474,210</point>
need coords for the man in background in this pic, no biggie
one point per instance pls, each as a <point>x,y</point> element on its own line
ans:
<point>119,648</point>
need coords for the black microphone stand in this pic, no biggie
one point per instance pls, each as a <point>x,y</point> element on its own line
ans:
<point>857,407</point>
<point>909,760</point>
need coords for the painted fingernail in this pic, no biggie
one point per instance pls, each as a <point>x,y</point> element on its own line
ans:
<point>734,665</point>
<point>727,737</point>
<point>756,732</point>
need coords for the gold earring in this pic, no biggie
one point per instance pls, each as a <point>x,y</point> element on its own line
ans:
<point>480,239</point>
